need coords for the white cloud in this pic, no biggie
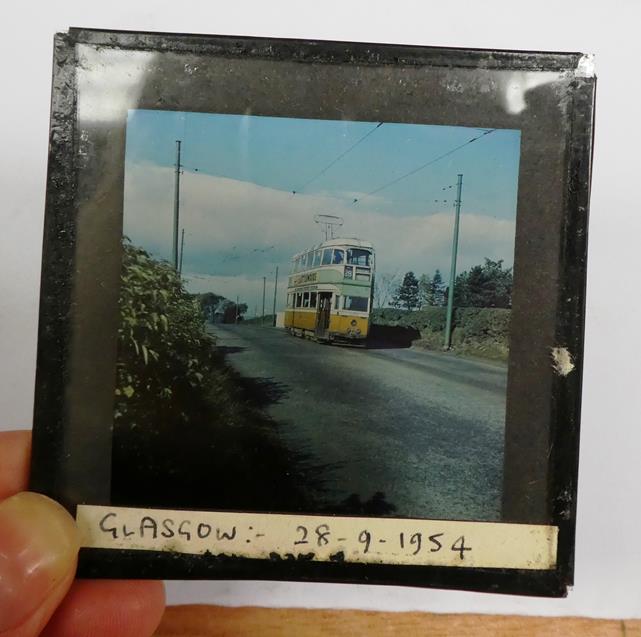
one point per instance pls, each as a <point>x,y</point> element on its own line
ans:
<point>229,222</point>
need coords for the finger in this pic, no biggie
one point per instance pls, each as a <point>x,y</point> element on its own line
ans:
<point>109,608</point>
<point>15,449</point>
<point>38,550</point>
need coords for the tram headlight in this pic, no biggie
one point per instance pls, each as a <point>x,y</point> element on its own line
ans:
<point>353,323</point>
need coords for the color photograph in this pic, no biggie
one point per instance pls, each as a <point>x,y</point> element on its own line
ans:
<point>314,315</point>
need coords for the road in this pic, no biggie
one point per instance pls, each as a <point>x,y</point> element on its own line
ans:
<point>424,428</point>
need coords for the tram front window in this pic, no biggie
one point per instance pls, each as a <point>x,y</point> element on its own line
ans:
<point>358,256</point>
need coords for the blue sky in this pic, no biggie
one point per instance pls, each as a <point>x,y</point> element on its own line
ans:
<point>241,218</point>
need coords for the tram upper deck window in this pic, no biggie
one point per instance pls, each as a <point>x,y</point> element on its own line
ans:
<point>317,258</point>
<point>358,256</point>
<point>327,256</point>
<point>339,256</point>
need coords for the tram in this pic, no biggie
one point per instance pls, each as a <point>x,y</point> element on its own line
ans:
<point>329,291</point>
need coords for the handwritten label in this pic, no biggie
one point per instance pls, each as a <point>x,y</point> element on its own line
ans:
<point>322,538</point>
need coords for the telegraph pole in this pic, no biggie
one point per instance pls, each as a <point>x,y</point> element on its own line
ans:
<point>174,251</point>
<point>236,319</point>
<point>182,251</point>
<point>450,292</point>
<point>262,316</point>
<point>275,290</point>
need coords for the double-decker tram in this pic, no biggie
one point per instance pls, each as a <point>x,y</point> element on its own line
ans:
<point>329,292</point>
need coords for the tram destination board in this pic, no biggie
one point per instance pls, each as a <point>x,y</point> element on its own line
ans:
<point>314,310</point>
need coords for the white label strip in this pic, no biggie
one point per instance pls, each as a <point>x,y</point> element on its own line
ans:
<point>322,538</point>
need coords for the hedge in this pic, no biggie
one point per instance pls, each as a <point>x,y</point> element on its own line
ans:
<point>479,331</point>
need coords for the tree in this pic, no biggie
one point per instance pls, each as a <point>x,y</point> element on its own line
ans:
<point>234,312</point>
<point>209,302</point>
<point>438,289</point>
<point>500,290</point>
<point>461,290</point>
<point>487,285</point>
<point>425,291</point>
<point>407,294</point>
<point>385,287</point>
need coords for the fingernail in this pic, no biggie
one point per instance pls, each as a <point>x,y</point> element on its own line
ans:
<point>39,543</point>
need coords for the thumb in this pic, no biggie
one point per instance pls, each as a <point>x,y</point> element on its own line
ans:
<point>39,544</point>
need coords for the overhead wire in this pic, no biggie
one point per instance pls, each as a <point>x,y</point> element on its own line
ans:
<point>337,159</point>
<point>422,166</point>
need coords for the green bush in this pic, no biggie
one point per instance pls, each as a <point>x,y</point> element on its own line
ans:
<point>163,350</point>
<point>484,323</point>
<point>478,331</point>
<point>189,431</point>
<point>389,316</point>
<point>430,319</point>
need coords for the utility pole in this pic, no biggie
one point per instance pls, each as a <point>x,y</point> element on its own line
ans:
<point>450,292</point>
<point>174,251</point>
<point>262,316</point>
<point>236,319</point>
<point>182,251</point>
<point>275,291</point>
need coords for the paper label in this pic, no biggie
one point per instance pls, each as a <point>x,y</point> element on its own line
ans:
<point>322,537</point>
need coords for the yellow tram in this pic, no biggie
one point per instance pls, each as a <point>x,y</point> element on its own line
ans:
<point>329,291</point>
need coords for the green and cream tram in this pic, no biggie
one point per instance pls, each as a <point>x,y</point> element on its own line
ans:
<point>329,292</point>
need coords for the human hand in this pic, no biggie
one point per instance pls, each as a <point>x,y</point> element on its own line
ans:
<point>38,552</point>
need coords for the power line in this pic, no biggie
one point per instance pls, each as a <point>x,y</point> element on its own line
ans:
<point>422,166</point>
<point>334,161</point>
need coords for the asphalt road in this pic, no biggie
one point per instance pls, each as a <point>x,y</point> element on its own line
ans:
<point>424,428</point>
